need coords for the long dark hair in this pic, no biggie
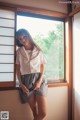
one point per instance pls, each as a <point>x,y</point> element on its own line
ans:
<point>24,32</point>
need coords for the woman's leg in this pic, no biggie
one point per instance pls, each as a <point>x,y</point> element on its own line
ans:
<point>33,105</point>
<point>42,107</point>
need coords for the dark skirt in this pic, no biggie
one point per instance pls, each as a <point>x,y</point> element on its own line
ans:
<point>29,80</point>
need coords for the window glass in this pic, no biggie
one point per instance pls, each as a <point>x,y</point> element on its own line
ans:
<point>49,34</point>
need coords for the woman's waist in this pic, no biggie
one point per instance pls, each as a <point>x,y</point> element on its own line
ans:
<point>30,74</point>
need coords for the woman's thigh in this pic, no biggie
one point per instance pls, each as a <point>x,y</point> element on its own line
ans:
<point>42,104</point>
<point>32,101</point>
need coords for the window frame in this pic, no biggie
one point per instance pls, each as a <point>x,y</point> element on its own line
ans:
<point>33,15</point>
<point>36,12</point>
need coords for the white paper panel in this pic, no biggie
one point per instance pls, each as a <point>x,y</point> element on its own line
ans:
<point>7,49</point>
<point>7,31</point>
<point>6,58</point>
<point>6,67</point>
<point>7,40</point>
<point>7,23</point>
<point>7,14</point>
<point>5,77</point>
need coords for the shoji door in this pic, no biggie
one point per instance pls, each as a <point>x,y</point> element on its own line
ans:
<point>7,47</point>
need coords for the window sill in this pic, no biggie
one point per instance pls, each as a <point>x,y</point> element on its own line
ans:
<point>58,84</point>
<point>49,85</point>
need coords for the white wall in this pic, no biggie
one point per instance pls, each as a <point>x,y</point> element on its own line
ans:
<point>57,101</point>
<point>54,5</point>
<point>76,66</point>
<point>57,104</point>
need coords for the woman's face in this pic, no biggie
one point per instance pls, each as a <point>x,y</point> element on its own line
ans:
<point>24,40</point>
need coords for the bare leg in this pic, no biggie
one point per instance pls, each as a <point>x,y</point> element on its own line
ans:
<point>42,108</point>
<point>33,105</point>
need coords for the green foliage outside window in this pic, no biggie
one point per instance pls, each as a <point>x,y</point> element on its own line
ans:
<point>53,48</point>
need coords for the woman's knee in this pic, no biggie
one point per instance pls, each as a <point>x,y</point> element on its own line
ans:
<point>42,114</point>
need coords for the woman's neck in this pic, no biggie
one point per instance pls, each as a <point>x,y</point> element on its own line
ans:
<point>30,48</point>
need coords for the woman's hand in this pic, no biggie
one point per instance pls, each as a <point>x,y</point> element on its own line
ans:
<point>24,89</point>
<point>37,85</point>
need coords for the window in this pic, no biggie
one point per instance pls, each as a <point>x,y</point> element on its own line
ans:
<point>48,33</point>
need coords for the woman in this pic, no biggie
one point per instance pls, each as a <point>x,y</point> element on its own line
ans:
<point>30,71</point>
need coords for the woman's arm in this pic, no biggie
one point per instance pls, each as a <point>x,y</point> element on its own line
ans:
<point>18,73</point>
<point>19,78</point>
<point>38,83</point>
<point>42,72</point>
